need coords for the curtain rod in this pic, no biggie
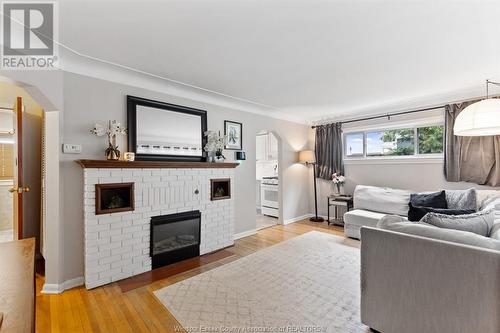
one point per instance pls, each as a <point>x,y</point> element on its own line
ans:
<point>412,111</point>
<point>389,115</point>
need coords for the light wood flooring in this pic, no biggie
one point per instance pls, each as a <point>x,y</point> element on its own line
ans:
<point>108,309</point>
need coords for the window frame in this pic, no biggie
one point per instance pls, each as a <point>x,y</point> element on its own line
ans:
<point>415,155</point>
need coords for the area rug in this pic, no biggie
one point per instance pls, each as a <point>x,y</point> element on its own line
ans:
<point>306,284</point>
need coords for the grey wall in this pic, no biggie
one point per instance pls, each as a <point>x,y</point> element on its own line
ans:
<point>416,175</point>
<point>88,101</point>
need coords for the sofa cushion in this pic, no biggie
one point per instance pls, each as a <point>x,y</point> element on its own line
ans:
<point>434,200</point>
<point>461,199</point>
<point>495,231</point>
<point>381,199</point>
<point>485,196</point>
<point>416,213</point>
<point>492,202</point>
<point>479,223</point>
<point>362,217</point>
<point>425,230</point>
<point>355,219</point>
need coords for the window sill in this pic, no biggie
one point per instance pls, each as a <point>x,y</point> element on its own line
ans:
<point>395,160</point>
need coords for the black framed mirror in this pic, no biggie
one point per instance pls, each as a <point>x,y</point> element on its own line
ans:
<point>162,131</point>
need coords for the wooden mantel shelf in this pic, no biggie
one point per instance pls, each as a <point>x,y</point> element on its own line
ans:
<point>104,164</point>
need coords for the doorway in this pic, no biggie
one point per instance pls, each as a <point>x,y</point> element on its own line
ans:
<point>6,173</point>
<point>21,141</point>
<point>267,180</point>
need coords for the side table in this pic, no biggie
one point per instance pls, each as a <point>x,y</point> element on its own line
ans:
<point>338,201</point>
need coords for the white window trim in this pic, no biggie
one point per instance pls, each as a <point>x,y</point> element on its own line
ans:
<point>402,159</point>
<point>408,159</point>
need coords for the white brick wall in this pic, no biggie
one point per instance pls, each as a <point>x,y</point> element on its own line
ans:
<point>117,245</point>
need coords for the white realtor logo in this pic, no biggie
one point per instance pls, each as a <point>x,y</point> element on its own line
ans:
<point>18,27</point>
<point>28,35</point>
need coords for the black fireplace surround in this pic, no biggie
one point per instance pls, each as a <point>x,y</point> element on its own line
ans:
<point>174,237</point>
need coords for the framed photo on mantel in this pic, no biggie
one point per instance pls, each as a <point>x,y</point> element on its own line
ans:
<point>234,132</point>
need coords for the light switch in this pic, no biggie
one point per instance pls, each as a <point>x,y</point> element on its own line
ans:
<point>69,148</point>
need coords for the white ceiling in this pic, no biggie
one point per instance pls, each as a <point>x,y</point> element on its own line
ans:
<point>301,60</point>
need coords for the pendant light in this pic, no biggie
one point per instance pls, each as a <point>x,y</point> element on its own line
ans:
<point>481,118</point>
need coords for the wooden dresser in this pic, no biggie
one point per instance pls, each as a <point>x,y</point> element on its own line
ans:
<point>17,286</point>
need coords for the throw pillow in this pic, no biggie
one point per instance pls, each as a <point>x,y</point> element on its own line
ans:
<point>434,200</point>
<point>461,199</point>
<point>479,223</point>
<point>417,212</point>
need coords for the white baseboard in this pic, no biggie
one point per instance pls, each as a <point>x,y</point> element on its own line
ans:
<point>49,288</point>
<point>303,217</point>
<point>245,234</point>
<point>297,219</point>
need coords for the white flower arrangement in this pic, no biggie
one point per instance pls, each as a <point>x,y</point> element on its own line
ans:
<point>114,129</point>
<point>338,179</point>
<point>215,143</point>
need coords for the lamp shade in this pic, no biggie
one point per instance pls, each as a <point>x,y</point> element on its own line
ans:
<point>479,119</point>
<point>307,156</point>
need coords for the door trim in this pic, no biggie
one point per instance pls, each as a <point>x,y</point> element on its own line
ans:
<point>19,164</point>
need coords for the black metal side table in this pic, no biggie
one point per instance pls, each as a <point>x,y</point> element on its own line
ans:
<point>339,201</point>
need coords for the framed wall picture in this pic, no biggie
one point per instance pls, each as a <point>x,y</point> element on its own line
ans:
<point>234,132</point>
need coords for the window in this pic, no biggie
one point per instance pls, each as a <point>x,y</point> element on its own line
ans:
<point>430,140</point>
<point>391,142</point>
<point>408,141</point>
<point>354,144</point>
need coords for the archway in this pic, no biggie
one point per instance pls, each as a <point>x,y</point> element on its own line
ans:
<point>268,179</point>
<point>48,182</point>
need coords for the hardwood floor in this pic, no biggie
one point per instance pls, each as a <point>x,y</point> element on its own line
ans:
<point>108,309</point>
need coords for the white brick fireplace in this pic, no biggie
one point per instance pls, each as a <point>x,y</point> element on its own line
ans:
<point>117,245</point>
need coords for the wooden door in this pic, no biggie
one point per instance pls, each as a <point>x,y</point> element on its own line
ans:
<point>18,187</point>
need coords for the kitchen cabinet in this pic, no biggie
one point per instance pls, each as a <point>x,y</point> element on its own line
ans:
<point>266,147</point>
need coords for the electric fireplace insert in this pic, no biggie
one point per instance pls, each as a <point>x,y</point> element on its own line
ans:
<point>174,237</point>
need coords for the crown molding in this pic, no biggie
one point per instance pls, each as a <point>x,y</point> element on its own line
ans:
<point>77,63</point>
<point>404,104</point>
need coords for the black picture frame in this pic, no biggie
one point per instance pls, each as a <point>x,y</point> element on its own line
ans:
<point>227,146</point>
<point>133,102</point>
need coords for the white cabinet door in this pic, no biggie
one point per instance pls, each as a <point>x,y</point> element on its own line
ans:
<point>272,147</point>
<point>261,148</point>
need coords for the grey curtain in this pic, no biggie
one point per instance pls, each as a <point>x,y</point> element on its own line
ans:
<point>470,159</point>
<point>329,156</point>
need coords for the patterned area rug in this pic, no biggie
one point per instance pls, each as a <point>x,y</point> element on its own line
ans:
<point>309,283</point>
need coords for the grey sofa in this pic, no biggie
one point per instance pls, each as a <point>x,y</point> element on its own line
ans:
<point>411,283</point>
<point>372,203</point>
